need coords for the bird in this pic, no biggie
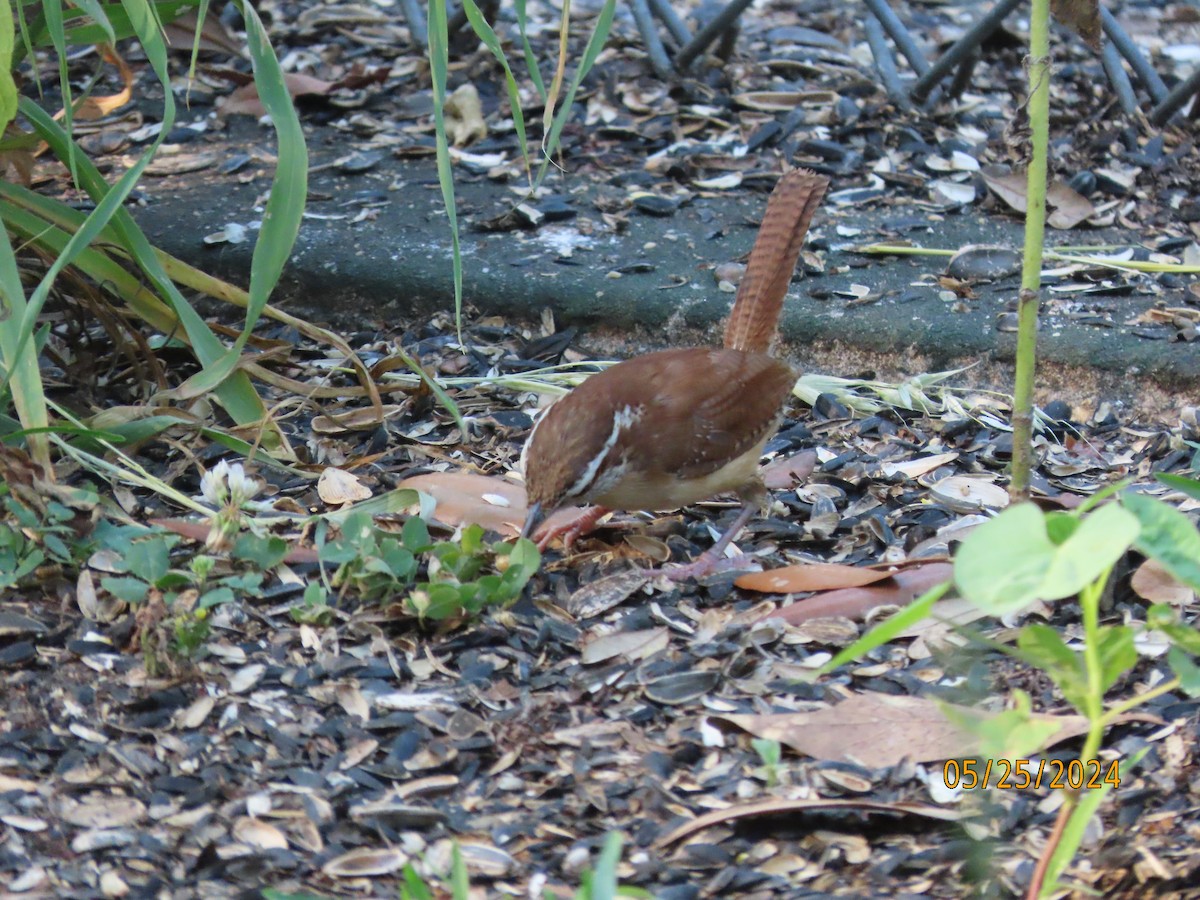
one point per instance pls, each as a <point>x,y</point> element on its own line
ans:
<point>667,429</point>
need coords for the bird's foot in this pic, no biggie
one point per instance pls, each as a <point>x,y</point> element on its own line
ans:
<point>570,530</point>
<point>703,565</point>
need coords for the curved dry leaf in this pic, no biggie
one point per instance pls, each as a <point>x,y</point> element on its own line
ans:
<point>1081,16</point>
<point>464,116</point>
<point>1154,583</point>
<point>1067,207</point>
<point>258,833</point>
<point>464,498</point>
<point>362,862</point>
<point>792,807</point>
<point>103,811</point>
<point>629,645</point>
<point>904,586</point>
<point>361,419</point>
<point>337,487</point>
<point>785,472</point>
<point>810,577</point>
<point>879,730</point>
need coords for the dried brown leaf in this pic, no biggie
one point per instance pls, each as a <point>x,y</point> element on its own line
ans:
<point>1154,583</point>
<point>1081,16</point>
<point>880,730</point>
<point>810,577</point>
<point>901,588</point>
<point>466,498</point>
<point>791,807</point>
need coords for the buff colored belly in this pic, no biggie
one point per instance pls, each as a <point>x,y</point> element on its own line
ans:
<point>657,490</point>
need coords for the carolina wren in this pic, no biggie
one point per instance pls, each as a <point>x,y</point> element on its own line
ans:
<point>668,429</point>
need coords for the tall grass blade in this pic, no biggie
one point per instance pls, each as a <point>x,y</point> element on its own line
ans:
<point>285,205</point>
<point>439,64</point>
<point>485,33</point>
<point>594,45</point>
<point>18,354</point>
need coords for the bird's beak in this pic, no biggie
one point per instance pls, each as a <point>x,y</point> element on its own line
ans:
<point>533,518</point>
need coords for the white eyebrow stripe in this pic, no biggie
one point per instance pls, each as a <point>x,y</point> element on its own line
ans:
<point>624,418</point>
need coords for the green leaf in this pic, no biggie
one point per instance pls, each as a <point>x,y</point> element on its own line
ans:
<point>131,590</point>
<point>460,885</point>
<point>1001,564</point>
<point>148,559</point>
<point>1010,734</point>
<point>590,53</point>
<point>1060,526</point>
<point>285,203</point>
<point>399,561</point>
<point>415,535</point>
<point>1101,539</point>
<point>1167,535</point>
<point>8,87</point>
<point>1011,561</point>
<point>1073,833</point>
<point>485,33</point>
<point>1164,618</point>
<point>1187,671</point>
<point>1041,646</point>
<point>215,597</point>
<point>413,886</point>
<point>604,875</point>
<point>264,552</point>
<point>1189,486</point>
<point>436,602</point>
<point>472,539</point>
<point>1117,653</point>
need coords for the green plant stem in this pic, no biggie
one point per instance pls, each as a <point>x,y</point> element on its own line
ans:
<point>1038,107</point>
<point>1119,709</point>
<point>1089,603</point>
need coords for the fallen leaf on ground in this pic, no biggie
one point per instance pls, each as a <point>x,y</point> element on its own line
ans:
<point>1066,208</point>
<point>337,487</point>
<point>879,730</point>
<point>1154,583</point>
<point>810,577</point>
<point>464,498</point>
<point>899,588</point>
<point>785,472</point>
<point>781,807</point>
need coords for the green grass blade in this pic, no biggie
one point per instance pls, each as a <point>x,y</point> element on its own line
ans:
<point>438,391</point>
<point>18,354</point>
<point>8,87</point>
<point>604,876</point>
<point>56,31</point>
<point>96,12</point>
<point>439,63</point>
<point>915,612</point>
<point>594,45</point>
<point>237,395</point>
<point>485,33</point>
<point>285,205</point>
<point>530,59</point>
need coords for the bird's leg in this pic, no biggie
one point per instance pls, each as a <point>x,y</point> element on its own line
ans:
<point>754,498</point>
<point>713,559</point>
<point>571,531</point>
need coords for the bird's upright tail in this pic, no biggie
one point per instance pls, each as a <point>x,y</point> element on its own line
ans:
<point>755,315</point>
